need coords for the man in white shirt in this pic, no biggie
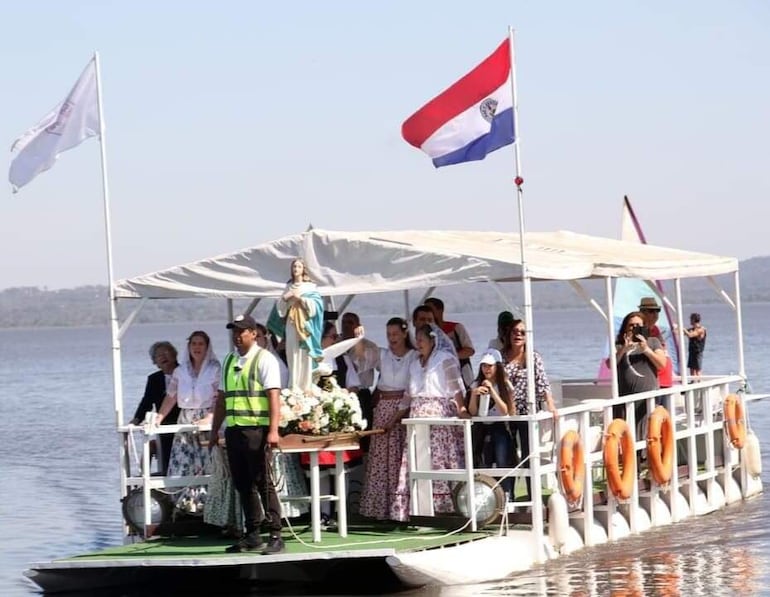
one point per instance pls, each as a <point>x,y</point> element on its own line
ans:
<point>250,402</point>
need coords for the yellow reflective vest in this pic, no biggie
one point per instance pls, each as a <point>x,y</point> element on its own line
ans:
<point>246,403</point>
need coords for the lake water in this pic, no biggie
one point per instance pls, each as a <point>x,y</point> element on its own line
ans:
<point>59,455</point>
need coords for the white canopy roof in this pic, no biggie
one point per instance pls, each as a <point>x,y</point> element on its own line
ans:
<point>343,263</point>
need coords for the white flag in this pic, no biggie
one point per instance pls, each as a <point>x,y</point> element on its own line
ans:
<point>66,126</point>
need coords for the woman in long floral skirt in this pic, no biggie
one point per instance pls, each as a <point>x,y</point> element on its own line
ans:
<point>385,450</point>
<point>435,389</point>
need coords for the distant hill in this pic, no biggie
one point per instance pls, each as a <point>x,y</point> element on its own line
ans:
<point>88,305</point>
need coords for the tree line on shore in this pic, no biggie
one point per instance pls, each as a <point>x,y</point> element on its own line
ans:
<point>23,307</point>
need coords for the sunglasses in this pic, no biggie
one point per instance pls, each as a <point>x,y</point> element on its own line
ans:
<point>518,332</point>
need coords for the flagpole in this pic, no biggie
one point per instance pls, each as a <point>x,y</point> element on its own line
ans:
<point>117,382</point>
<point>522,250</point>
<point>534,438</point>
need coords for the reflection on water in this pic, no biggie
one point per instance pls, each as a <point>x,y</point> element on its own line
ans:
<point>725,553</point>
<point>56,400</point>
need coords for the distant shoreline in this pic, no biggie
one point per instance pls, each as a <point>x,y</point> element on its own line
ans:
<point>32,307</point>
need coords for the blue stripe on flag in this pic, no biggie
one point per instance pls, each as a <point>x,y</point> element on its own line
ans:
<point>500,134</point>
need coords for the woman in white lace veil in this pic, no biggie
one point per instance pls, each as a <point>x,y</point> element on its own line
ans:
<point>202,375</point>
<point>193,387</point>
<point>443,342</point>
<point>423,315</point>
<point>435,390</point>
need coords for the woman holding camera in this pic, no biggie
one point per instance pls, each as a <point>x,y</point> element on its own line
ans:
<point>639,358</point>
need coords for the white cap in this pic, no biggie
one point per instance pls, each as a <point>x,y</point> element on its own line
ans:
<point>492,356</point>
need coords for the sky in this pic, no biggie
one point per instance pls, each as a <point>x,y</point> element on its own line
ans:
<point>230,124</point>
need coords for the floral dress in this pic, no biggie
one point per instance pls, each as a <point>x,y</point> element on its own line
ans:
<point>517,375</point>
<point>289,479</point>
<point>223,504</point>
<point>385,451</point>
<point>195,396</point>
<point>430,393</point>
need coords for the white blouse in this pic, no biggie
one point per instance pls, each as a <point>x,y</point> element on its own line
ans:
<point>394,371</point>
<point>193,391</point>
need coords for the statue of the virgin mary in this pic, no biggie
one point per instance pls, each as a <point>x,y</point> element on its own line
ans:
<point>298,318</point>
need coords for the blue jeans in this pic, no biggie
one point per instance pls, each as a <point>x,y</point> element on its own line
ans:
<point>502,444</point>
<point>521,428</point>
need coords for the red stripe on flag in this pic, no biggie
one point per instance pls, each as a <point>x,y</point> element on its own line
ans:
<point>469,90</point>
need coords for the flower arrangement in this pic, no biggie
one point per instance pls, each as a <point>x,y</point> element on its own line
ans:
<point>328,410</point>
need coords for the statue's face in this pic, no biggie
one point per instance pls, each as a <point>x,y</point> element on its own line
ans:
<point>297,270</point>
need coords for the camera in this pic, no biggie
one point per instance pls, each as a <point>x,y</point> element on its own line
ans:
<point>640,330</point>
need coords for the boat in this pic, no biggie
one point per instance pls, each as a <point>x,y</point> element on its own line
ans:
<point>574,502</point>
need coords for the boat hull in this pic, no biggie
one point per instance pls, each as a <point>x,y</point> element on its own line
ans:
<point>475,562</point>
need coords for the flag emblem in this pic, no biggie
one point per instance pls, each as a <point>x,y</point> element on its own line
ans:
<point>488,108</point>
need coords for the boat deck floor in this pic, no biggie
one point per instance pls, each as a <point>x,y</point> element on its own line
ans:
<point>197,561</point>
<point>363,540</point>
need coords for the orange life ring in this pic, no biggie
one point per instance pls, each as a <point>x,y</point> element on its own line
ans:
<point>619,437</point>
<point>734,420</point>
<point>572,468</point>
<point>660,445</point>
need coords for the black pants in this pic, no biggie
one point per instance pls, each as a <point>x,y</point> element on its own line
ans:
<point>250,466</point>
<point>166,442</point>
<point>640,410</point>
<point>367,412</point>
<point>483,450</point>
<point>520,429</point>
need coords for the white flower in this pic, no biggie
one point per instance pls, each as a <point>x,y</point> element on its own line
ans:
<point>321,412</point>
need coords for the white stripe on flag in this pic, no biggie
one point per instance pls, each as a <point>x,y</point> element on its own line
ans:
<point>466,126</point>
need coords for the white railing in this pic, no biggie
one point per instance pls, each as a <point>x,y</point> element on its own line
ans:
<point>698,431</point>
<point>146,480</point>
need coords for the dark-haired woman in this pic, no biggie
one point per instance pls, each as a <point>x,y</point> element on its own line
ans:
<point>384,460</point>
<point>193,387</point>
<point>515,362</point>
<point>639,359</point>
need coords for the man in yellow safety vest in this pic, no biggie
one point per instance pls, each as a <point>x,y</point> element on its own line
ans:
<point>250,405</point>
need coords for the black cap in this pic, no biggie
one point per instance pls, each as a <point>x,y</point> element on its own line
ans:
<point>243,322</point>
